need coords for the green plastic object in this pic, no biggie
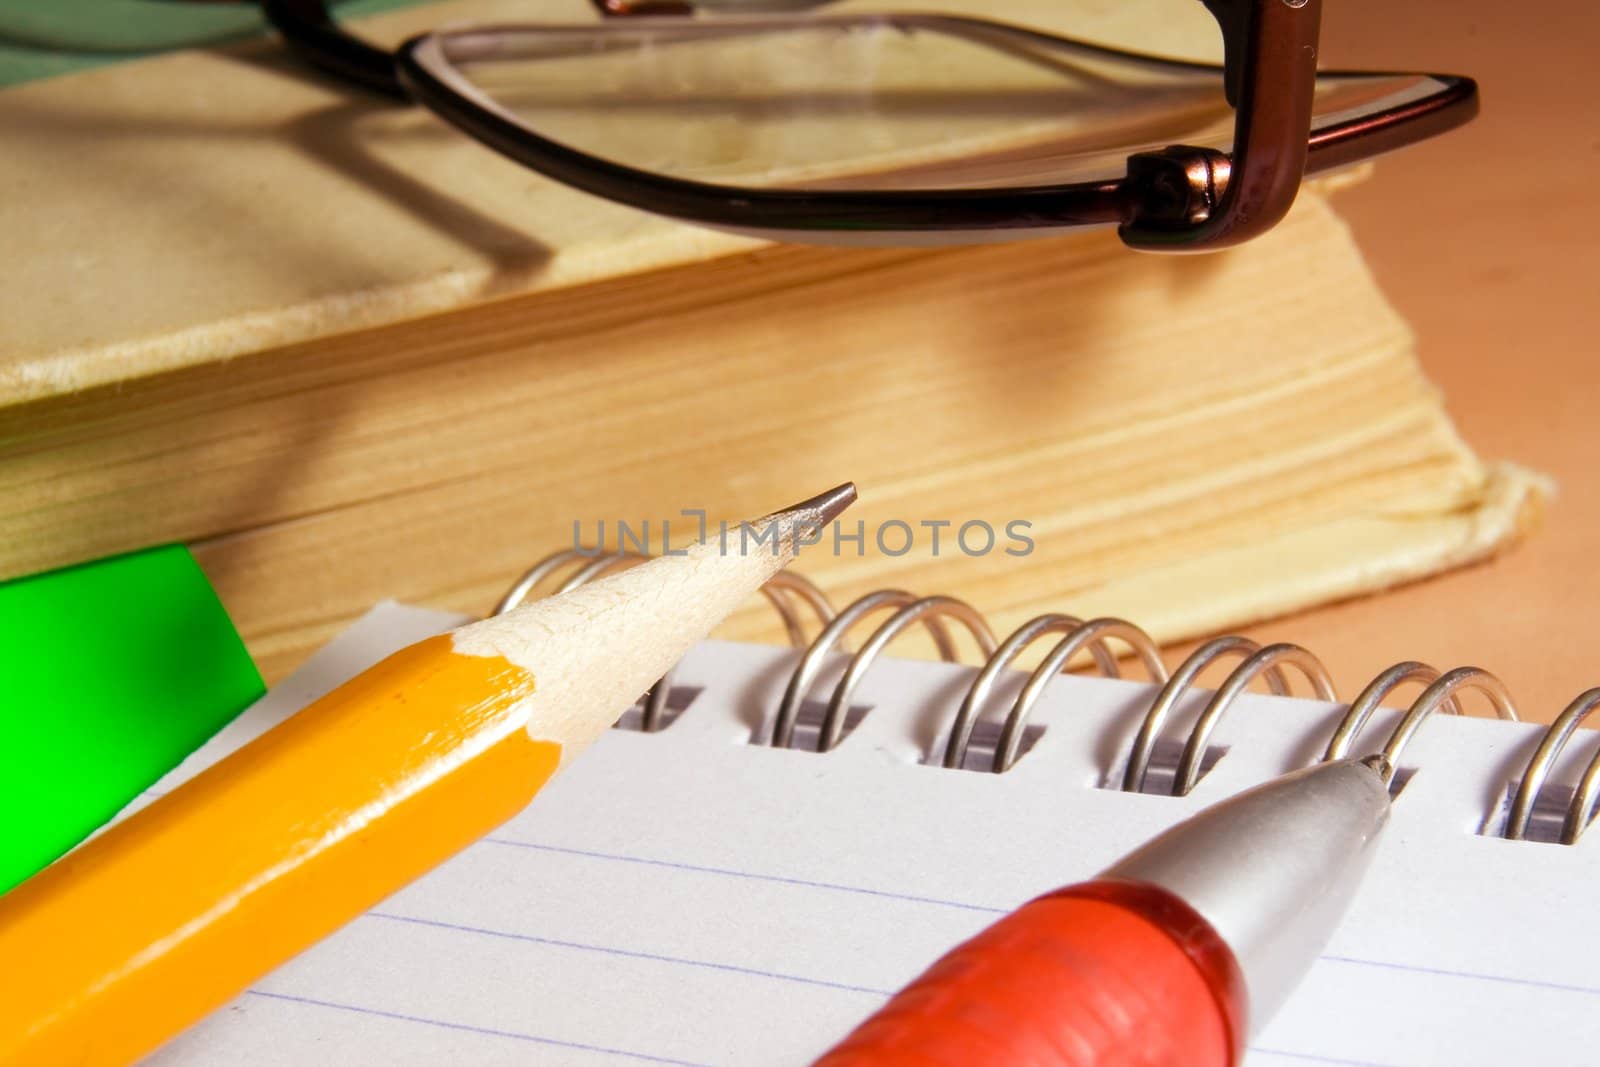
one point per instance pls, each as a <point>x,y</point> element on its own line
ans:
<point>110,674</point>
<point>45,38</point>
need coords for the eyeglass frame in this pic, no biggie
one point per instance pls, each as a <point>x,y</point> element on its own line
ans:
<point>1181,198</point>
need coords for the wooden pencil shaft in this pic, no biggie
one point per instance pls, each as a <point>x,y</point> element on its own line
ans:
<point>165,916</point>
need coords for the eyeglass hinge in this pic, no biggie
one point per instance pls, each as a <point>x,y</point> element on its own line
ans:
<point>1177,187</point>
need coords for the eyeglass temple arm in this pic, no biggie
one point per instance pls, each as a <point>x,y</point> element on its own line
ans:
<point>312,34</point>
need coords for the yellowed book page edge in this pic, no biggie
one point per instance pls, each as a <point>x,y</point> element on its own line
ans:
<point>1344,558</point>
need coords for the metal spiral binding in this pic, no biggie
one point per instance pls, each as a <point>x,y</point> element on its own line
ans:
<point>1581,808</point>
<point>909,609</point>
<point>1440,692</point>
<point>1078,636</point>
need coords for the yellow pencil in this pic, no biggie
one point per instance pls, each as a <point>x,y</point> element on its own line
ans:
<point>142,931</point>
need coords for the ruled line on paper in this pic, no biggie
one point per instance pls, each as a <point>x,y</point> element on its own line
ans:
<point>645,1057</point>
<point>485,1031</point>
<point>730,872</point>
<point>966,905</point>
<point>654,957</point>
<point>1534,983</point>
<point>911,898</point>
<point>1312,1057</point>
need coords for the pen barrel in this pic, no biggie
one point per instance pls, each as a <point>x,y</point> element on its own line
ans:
<point>1103,974</point>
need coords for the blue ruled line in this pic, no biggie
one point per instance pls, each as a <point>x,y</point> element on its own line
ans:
<point>1311,1057</point>
<point>729,872</point>
<point>468,1028</point>
<point>630,953</point>
<point>941,902</point>
<point>1534,983</point>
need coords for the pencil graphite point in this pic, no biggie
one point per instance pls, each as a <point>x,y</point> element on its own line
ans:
<point>164,916</point>
<point>820,509</point>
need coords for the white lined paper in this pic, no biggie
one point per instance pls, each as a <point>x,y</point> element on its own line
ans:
<point>685,897</point>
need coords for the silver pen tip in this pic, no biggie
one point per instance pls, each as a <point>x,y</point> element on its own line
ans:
<point>1272,869</point>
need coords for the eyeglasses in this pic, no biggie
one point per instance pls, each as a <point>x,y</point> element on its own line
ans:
<point>902,128</point>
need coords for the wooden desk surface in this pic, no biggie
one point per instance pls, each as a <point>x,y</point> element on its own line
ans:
<point>1488,241</point>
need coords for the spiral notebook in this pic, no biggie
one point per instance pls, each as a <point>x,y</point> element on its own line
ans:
<point>696,894</point>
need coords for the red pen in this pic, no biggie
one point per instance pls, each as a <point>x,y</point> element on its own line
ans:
<point>1170,958</point>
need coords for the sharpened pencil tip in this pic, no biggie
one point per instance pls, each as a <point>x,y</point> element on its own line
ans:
<point>822,508</point>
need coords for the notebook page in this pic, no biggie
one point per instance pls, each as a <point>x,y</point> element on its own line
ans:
<point>687,897</point>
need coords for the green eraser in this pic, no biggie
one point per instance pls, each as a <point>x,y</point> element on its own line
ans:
<point>110,674</point>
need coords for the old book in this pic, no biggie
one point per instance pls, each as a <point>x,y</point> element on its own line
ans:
<point>348,354</point>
